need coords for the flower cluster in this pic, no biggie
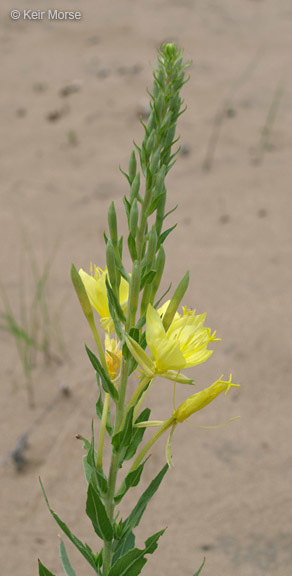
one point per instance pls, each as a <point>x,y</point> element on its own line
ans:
<point>184,344</point>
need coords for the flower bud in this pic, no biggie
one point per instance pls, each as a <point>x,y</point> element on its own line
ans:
<point>81,294</point>
<point>175,301</point>
<point>150,141</point>
<point>134,294</point>
<point>134,215</point>
<point>111,265</point>
<point>132,167</point>
<point>160,262</point>
<point>135,187</point>
<point>151,124</point>
<point>159,182</point>
<point>154,162</point>
<point>152,243</point>
<point>112,223</point>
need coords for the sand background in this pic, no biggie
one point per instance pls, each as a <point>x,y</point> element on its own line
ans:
<point>229,495</point>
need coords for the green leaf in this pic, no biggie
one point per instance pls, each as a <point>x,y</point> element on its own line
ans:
<point>164,235</point>
<point>133,561</point>
<point>84,549</point>
<point>201,567</point>
<point>96,511</point>
<point>127,207</point>
<point>115,303</point>
<point>134,518</point>
<point>98,478</point>
<point>155,203</point>
<point>65,561</point>
<point>43,571</point>
<point>138,434</point>
<point>147,278</point>
<point>123,438</point>
<point>123,546</point>
<point>131,480</point>
<point>107,384</point>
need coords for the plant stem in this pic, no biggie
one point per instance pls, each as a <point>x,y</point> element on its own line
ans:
<point>102,430</point>
<point>167,424</point>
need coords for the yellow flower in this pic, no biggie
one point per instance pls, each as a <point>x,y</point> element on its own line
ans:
<point>201,399</point>
<point>95,287</point>
<point>182,346</point>
<point>113,356</point>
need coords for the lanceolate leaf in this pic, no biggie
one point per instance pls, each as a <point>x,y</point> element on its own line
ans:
<point>164,235</point>
<point>134,518</point>
<point>123,438</point>
<point>106,381</point>
<point>133,561</point>
<point>65,561</point>
<point>43,571</point>
<point>122,546</point>
<point>137,436</point>
<point>200,569</point>
<point>112,297</point>
<point>132,479</point>
<point>84,549</point>
<point>96,511</point>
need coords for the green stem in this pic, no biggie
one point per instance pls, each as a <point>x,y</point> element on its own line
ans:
<point>142,384</point>
<point>102,430</point>
<point>167,424</point>
<point>98,344</point>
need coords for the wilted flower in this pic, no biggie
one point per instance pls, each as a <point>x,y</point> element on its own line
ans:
<point>113,356</point>
<point>95,287</point>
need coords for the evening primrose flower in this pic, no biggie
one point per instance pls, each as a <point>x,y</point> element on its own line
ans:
<point>95,287</point>
<point>113,356</point>
<point>183,345</point>
<point>193,404</point>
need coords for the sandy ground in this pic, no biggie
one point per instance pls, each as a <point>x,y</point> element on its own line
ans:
<point>229,495</point>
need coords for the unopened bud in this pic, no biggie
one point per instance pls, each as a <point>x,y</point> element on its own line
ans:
<point>134,215</point>
<point>154,162</point>
<point>111,265</point>
<point>159,182</point>
<point>150,141</point>
<point>134,294</point>
<point>112,223</point>
<point>175,301</point>
<point>135,187</point>
<point>160,262</point>
<point>81,294</point>
<point>152,243</point>
<point>132,167</point>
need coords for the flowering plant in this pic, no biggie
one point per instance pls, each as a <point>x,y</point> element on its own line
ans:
<point>135,333</point>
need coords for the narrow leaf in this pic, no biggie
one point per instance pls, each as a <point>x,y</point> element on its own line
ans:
<point>43,571</point>
<point>133,561</point>
<point>107,384</point>
<point>121,547</point>
<point>84,549</point>
<point>118,309</point>
<point>138,434</point>
<point>134,518</point>
<point>65,561</point>
<point>200,569</point>
<point>96,511</point>
<point>131,480</point>
<point>164,235</point>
